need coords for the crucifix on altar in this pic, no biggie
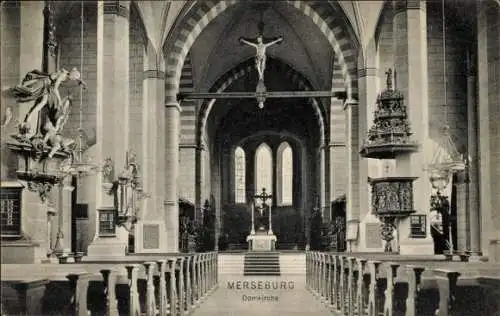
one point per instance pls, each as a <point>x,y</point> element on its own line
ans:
<point>262,239</point>
<point>264,221</point>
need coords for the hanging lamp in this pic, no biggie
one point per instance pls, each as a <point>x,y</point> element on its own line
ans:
<point>446,160</point>
<point>77,165</point>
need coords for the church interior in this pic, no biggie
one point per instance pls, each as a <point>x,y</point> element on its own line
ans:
<point>150,150</point>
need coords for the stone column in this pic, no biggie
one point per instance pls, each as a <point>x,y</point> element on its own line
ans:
<point>488,26</point>
<point>367,86</point>
<point>152,214</point>
<point>462,203</point>
<point>35,214</point>
<point>112,110</point>
<point>410,62</point>
<point>188,151</point>
<point>322,181</point>
<point>200,179</point>
<point>352,151</point>
<point>306,212</point>
<point>472,146</point>
<point>171,135</point>
<point>31,43</point>
<point>337,149</point>
<point>67,190</point>
<point>338,177</point>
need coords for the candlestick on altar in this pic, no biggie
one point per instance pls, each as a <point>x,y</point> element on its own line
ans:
<point>270,231</point>
<point>252,230</point>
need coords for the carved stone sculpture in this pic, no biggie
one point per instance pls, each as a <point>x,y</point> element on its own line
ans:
<point>50,110</point>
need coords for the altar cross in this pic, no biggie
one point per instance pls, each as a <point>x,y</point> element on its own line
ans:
<point>264,197</point>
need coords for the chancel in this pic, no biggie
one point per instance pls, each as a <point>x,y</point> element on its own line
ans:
<point>152,150</point>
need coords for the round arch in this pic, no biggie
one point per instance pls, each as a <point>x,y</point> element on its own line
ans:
<point>241,70</point>
<point>203,13</point>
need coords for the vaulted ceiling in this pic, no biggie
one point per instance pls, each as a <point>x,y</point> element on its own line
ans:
<point>161,16</point>
<point>218,49</point>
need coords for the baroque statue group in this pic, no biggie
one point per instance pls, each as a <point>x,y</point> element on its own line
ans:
<point>46,118</point>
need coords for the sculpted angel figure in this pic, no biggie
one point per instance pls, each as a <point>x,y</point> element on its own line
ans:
<point>44,90</point>
<point>260,57</point>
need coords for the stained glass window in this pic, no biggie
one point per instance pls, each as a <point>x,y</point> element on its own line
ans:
<point>264,169</point>
<point>286,157</point>
<point>239,173</point>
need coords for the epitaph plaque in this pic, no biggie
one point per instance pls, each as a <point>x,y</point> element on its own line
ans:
<point>151,236</point>
<point>10,214</point>
<point>372,235</point>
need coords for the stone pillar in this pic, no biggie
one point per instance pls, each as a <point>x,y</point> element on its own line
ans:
<point>337,173</point>
<point>367,86</point>
<point>188,151</point>
<point>306,212</point>
<point>112,110</point>
<point>200,180</point>
<point>352,148</point>
<point>172,125</point>
<point>410,62</point>
<point>462,222</point>
<point>31,44</point>
<point>488,26</point>
<point>322,181</point>
<point>152,214</point>
<point>66,204</point>
<point>472,146</point>
<point>187,171</point>
<point>337,150</point>
<point>35,214</point>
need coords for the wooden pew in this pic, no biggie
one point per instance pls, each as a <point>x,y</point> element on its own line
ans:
<point>391,284</point>
<point>170,284</point>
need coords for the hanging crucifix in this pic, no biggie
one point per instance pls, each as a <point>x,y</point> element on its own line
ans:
<point>261,44</point>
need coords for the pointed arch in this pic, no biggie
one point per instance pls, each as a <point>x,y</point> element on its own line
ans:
<point>264,168</point>
<point>239,175</point>
<point>284,181</point>
<point>322,14</point>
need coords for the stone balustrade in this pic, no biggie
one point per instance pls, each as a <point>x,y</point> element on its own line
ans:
<point>389,284</point>
<point>172,285</point>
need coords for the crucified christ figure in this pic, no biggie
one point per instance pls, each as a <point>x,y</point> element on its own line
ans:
<point>260,58</point>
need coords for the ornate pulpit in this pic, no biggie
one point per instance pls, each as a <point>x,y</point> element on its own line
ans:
<point>261,236</point>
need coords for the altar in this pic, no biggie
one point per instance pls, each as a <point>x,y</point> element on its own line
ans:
<point>262,239</point>
<point>261,242</point>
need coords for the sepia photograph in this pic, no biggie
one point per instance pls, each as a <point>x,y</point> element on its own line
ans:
<point>250,157</point>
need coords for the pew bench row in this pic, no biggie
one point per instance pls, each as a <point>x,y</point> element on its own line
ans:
<point>173,285</point>
<point>351,284</point>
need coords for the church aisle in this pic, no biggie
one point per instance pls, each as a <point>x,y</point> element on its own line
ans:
<point>235,296</point>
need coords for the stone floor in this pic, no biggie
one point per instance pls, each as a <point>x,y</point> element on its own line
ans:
<point>291,297</point>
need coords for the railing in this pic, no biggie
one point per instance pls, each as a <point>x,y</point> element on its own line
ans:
<point>175,285</point>
<point>351,284</point>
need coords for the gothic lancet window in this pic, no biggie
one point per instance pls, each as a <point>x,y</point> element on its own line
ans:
<point>285,174</point>
<point>264,169</point>
<point>239,173</point>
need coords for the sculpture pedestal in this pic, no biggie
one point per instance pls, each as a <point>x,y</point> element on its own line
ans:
<point>261,242</point>
<point>108,247</point>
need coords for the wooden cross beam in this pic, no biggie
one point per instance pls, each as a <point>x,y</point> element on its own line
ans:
<point>341,95</point>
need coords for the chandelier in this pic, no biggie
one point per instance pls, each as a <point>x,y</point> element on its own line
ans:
<point>446,159</point>
<point>76,164</point>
